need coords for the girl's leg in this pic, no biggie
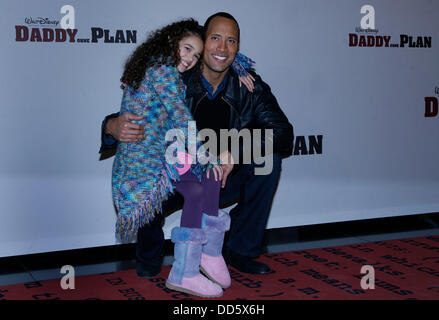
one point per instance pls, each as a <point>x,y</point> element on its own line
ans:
<point>211,195</point>
<point>189,240</point>
<point>199,197</point>
<point>215,223</point>
<point>192,191</point>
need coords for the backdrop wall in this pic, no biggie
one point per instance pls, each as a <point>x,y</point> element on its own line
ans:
<point>360,88</point>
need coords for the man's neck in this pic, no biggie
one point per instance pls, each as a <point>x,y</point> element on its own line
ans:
<point>213,77</point>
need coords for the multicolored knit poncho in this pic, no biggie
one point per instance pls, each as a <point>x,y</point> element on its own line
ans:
<point>142,178</point>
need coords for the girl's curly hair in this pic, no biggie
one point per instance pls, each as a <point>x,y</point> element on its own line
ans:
<point>161,47</point>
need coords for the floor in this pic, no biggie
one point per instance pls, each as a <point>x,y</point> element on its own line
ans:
<point>45,266</point>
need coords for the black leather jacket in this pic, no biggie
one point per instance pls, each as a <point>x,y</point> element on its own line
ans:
<point>252,110</point>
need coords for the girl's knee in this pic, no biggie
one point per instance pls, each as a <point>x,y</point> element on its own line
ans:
<point>193,191</point>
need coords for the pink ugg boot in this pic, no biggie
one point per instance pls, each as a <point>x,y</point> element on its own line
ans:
<point>197,285</point>
<point>185,272</point>
<point>212,262</point>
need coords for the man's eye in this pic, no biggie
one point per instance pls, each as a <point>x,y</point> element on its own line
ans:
<point>214,38</point>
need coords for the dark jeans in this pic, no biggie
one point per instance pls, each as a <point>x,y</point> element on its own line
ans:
<point>254,194</point>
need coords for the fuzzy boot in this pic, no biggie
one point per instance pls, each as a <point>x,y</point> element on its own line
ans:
<point>185,272</point>
<point>212,261</point>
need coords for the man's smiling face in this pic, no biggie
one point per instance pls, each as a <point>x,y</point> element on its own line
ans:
<point>221,45</point>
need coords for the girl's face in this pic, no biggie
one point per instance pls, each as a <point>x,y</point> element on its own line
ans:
<point>190,50</point>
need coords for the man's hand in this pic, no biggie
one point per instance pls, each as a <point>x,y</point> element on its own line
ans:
<point>123,130</point>
<point>227,164</point>
<point>217,172</point>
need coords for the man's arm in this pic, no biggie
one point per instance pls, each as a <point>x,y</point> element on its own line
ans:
<point>116,128</point>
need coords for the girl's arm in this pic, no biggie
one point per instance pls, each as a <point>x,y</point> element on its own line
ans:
<point>242,64</point>
<point>170,89</point>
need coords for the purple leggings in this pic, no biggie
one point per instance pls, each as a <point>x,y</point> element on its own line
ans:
<point>199,197</point>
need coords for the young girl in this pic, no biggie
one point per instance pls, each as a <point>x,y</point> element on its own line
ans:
<point>142,177</point>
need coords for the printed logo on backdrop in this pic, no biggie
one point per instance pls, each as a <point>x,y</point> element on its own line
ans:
<point>62,29</point>
<point>308,145</point>
<point>367,35</point>
<point>431,105</point>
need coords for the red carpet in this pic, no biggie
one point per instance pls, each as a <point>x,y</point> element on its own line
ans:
<point>403,269</point>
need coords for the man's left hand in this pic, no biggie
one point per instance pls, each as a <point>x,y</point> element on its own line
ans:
<point>227,164</point>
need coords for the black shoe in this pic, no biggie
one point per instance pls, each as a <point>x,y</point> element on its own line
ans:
<point>147,271</point>
<point>245,264</point>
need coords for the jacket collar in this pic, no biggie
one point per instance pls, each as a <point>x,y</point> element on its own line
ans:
<point>194,86</point>
<point>232,90</point>
<point>221,88</point>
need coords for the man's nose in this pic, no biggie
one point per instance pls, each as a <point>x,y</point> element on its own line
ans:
<point>222,46</point>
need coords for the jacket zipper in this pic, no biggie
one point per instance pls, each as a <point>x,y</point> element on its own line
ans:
<point>234,110</point>
<point>231,107</point>
<point>196,106</point>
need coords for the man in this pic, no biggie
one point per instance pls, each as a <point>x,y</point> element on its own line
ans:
<point>220,103</point>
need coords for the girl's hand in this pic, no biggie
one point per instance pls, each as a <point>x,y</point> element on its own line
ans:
<point>217,172</point>
<point>247,81</point>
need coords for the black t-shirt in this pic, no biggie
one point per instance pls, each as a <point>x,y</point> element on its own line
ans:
<point>213,114</point>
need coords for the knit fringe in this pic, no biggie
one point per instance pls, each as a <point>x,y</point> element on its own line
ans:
<point>127,225</point>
